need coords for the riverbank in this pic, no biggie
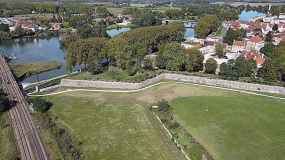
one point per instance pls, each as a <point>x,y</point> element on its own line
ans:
<point>33,68</point>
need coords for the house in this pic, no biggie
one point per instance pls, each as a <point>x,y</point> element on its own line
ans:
<point>238,46</point>
<point>255,43</point>
<point>12,27</point>
<point>211,46</point>
<point>212,38</point>
<point>56,26</point>
<point>43,27</point>
<point>254,55</point>
<point>98,20</point>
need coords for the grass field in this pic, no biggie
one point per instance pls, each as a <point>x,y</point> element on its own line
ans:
<point>116,129</point>
<point>115,10</point>
<point>251,4</point>
<point>236,125</point>
<point>27,16</point>
<point>33,67</point>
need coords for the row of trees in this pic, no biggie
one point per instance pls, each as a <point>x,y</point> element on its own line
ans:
<point>25,8</point>
<point>155,36</point>
<point>124,49</point>
<point>4,103</point>
<point>206,25</point>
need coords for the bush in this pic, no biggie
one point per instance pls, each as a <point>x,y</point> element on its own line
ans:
<point>174,125</point>
<point>163,105</point>
<point>195,152</point>
<point>4,102</point>
<point>39,104</point>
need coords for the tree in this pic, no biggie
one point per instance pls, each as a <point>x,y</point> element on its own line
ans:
<point>94,66</point>
<point>211,66</point>
<point>193,60</point>
<point>268,47</point>
<point>240,67</point>
<point>275,28</point>
<point>268,37</point>
<point>102,11</point>
<point>276,12</point>
<point>19,30</point>
<point>223,68</point>
<point>163,105</point>
<point>232,35</point>
<point>4,102</point>
<point>174,55</point>
<point>139,50</point>
<point>76,21</point>
<point>119,51</point>
<point>206,25</point>
<point>4,27</point>
<point>39,104</point>
<point>251,67</point>
<point>219,50</point>
<point>268,70</point>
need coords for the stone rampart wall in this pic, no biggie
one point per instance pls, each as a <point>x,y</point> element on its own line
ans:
<point>178,77</point>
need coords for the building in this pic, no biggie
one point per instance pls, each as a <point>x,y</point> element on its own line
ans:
<point>254,55</point>
<point>238,46</point>
<point>56,26</point>
<point>255,43</point>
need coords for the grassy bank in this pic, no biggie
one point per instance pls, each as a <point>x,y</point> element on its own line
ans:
<point>230,125</point>
<point>33,67</point>
<point>8,146</point>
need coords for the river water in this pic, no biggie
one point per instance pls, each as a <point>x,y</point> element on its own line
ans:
<point>48,49</point>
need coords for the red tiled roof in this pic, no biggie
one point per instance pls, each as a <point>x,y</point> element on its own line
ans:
<point>254,55</point>
<point>197,46</point>
<point>238,43</point>
<point>255,39</point>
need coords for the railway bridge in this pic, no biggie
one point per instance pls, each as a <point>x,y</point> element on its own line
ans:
<point>26,131</point>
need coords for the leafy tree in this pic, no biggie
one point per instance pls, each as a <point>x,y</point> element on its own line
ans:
<point>4,27</point>
<point>231,36</point>
<point>275,27</point>
<point>251,67</point>
<point>206,25</point>
<point>39,104</point>
<point>163,105</point>
<point>268,37</point>
<point>219,50</point>
<point>19,30</point>
<point>102,12</point>
<point>139,50</point>
<point>193,60</point>
<point>160,59</point>
<point>276,12</point>
<point>4,102</point>
<point>119,51</point>
<point>223,68</point>
<point>240,67</point>
<point>76,21</point>
<point>174,54</point>
<point>94,66</point>
<point>268,47</point>
<point>268,70</point>
<point>211,66</point>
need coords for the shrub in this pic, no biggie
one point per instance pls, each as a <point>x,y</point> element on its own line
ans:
<point>195,152</point>
<point>163,105</point>
<point>39,104</point>
<point>174,125</point>
<point>4,103</point>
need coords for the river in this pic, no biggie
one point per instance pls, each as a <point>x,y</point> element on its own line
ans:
<point>48,48</point>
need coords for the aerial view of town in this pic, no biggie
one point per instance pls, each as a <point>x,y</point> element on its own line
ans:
<point>142,80</point>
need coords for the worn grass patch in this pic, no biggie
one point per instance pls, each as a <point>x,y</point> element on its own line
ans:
<point>33,67</point>
<point>38,15</point>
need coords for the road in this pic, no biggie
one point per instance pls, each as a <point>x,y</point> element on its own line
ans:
<point>26,132</point>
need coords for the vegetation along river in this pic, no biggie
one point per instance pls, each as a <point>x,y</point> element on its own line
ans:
<point>48,49</point>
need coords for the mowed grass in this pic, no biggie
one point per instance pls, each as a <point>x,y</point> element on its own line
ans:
<point>114,130</point>
<point>115,10</point>
<point>230,125</point>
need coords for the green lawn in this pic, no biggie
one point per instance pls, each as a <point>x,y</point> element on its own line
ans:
<point>120,125</point>
<point>33,67</point>
<point>115,10</point>
<point>117,129</point>
<point>236,126</point>
<point>191,43</point>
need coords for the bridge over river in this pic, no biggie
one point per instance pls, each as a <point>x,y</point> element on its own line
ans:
<point>191,23</point>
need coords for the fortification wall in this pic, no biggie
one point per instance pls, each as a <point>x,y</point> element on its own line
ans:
<point>178,77</point>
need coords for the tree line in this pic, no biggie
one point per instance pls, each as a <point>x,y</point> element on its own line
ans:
<point>125,50</point>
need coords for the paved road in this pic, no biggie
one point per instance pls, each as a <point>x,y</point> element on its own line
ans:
<point>224,33</point>
<point>27,134</point>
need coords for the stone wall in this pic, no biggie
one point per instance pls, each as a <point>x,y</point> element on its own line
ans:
<point>50,89</point>
<point>178,77</point>
<point>33,89</point>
